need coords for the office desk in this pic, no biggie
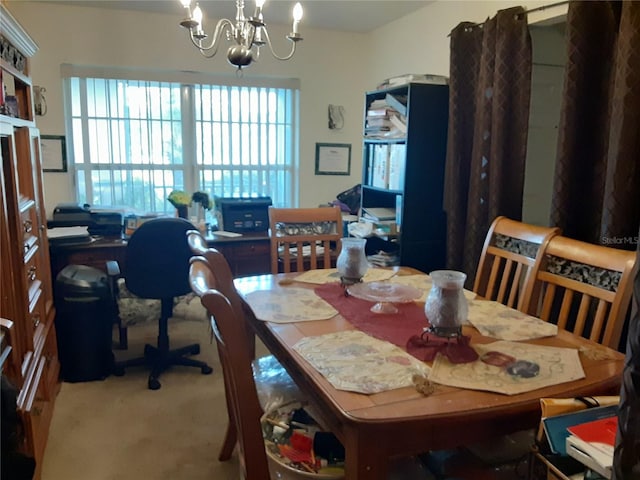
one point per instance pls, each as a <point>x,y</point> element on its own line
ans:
<point>374,428</point>
<point>247,255</point>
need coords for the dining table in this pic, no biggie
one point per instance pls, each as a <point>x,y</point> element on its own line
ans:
<point>374,428</point>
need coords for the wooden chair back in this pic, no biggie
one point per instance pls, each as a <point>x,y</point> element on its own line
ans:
<point>584,288</point>
<point>224,279</point>
<point>314,231</point>
<point>221,272</point>
<point>236,361</point>
<point>511,252</point>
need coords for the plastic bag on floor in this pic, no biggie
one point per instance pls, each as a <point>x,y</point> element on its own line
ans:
<point>274,385</point>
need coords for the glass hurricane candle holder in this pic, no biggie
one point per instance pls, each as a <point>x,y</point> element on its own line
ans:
<point>446,307</point>
<point>352,262</point>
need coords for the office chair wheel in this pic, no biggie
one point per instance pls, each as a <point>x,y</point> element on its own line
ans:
<point>206,370</point>
<point>154,384</point>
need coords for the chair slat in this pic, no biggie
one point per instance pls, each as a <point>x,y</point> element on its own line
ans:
<point>581,318</point>
<point>599,322</point>
<point>504,281</point>
<point>515,286</point>
<point>493,276</point>
<point>549,295</point>
<point>563,317</point>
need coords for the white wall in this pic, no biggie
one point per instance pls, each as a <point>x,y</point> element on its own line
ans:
<point>334,67</point>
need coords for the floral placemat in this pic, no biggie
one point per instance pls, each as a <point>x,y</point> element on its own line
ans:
<point>423,282</point>
<point>287,305</point>
<point>328,275</point>
<point>493,319</point>
<point>354,361</point>
<point>510,368</point>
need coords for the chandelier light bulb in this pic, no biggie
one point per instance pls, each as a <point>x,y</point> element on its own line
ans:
<point>186,3</point>
<point>260,3</point>
<point>197,15</point>
<point>297,16</point>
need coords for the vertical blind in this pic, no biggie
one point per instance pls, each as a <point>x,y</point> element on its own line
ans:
<point>134,141</point>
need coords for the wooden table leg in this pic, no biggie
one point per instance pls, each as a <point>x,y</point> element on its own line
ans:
<point>364,457</point>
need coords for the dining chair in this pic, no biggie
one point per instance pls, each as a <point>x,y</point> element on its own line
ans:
<point>221,272</point>
<point>242,399</point>
<point>315,232</point>
<point>511,252</point>
<point>584,288</point>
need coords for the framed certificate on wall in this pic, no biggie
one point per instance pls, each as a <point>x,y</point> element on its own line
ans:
<point>333,158</point>
<point>53,150</point>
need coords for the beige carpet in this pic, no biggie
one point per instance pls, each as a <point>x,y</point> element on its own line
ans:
<point>118,429</point>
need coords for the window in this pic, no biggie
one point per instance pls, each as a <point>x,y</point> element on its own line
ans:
<point>134,141</point>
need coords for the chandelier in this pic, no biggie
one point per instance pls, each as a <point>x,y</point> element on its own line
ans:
<point>248,34</point>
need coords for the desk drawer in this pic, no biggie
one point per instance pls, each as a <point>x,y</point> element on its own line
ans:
<point>97,258</point>
<point>250,249</point>
<point>246,258</point>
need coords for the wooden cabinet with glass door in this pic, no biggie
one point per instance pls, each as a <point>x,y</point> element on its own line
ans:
<point>25,278</point>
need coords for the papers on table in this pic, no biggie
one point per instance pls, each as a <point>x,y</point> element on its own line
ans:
<point>289,305</point>
<point>352,360</point>
<point>493,319</point>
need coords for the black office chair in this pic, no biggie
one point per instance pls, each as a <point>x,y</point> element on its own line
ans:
<point>157,267</point>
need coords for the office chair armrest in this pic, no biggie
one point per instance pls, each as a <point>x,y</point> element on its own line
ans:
<point>113,269</point>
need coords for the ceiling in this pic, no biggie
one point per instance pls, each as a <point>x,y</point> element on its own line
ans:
<point>342,15</point>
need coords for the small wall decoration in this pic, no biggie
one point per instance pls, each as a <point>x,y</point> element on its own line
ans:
<point>333,158</point>
<point>53,149</point>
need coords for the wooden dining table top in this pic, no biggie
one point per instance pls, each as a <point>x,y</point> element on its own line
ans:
<point>403,421</point>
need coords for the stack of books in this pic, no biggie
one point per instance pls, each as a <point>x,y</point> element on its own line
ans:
<point>587,436</point>
<point>413,78</point>
<point>592,444</point>
<point>386,166</point>
<point>387,117</point>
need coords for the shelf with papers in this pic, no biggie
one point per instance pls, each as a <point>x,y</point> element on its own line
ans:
<point>403,167</point>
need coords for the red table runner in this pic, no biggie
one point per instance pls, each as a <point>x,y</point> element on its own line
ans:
<point>403,329</point>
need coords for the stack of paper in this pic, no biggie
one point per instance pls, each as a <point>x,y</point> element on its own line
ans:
<point>592,443</point>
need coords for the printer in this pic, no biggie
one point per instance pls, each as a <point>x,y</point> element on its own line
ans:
<point>97,221</point>
<point>243,214</point>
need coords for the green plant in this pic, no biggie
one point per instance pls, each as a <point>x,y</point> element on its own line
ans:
<point>203,199</point>
<point>178,198</point>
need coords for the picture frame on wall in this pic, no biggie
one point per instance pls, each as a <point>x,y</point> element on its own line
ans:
<point>333,158</point>
<point>53,150</point>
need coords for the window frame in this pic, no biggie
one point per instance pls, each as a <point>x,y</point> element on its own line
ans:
<point>192,171</point>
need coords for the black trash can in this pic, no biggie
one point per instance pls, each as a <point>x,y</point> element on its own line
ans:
<point>84,318</point>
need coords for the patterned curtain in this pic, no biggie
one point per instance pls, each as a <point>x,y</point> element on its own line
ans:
<point>489,94</point>
<point>597,179</point>
<point>626,461</point>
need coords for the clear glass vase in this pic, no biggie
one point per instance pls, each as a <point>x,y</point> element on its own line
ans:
<point>446,307</point>
<point>352,262</point>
